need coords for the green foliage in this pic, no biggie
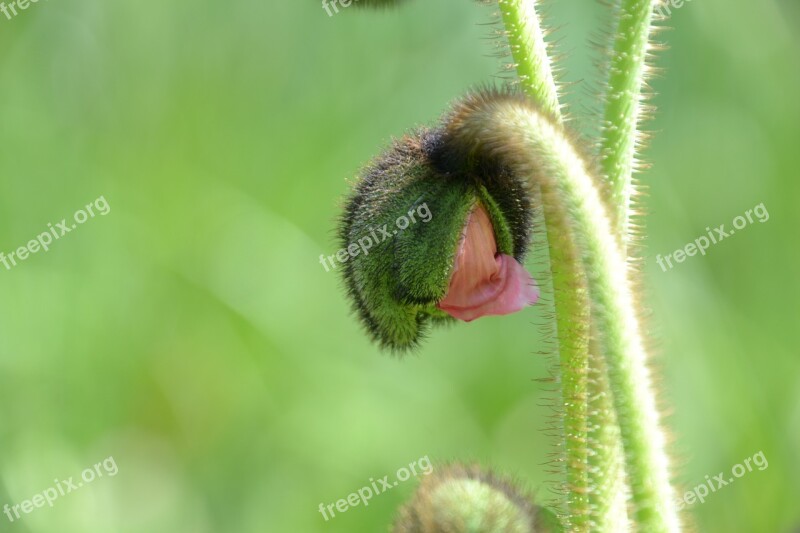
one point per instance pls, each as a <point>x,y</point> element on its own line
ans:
<point>193,334</point>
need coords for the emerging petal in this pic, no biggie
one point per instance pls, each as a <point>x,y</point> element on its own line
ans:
<point>485,282</point>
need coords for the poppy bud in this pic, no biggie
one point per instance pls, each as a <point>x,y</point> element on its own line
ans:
<point>434,234</point>
<point>461,499</point>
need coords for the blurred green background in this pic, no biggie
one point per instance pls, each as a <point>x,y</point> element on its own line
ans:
<point>192,334</point>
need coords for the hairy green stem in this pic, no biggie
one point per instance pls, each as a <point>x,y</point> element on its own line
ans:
<point>529,52</point>
<point>501,131</point>
<point>625,108</point>
<point>614,313</point>
<point>610,492</point>
<point>572,325</point>
<point>594,469</point>
<point>571,304</point>
<point>620,138</point>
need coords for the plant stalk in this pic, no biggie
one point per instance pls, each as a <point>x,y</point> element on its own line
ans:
<point>625,108</point>
<point>565,181</point>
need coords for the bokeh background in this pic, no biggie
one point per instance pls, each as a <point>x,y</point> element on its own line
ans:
<point>192,334</point>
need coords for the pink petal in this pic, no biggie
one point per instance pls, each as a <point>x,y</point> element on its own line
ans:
<point>485,282</point>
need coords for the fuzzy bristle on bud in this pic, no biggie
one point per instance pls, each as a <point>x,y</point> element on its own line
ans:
<point>467,499</point>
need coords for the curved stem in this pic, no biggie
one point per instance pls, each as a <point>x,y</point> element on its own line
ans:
<point>613,307</point>
<point>529,52</point>
<point>594,469</point>
<point>515,134</point>
<point>625,108</point>
<point>572,326</point>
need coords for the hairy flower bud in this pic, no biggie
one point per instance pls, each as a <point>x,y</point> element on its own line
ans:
<point>460,499</point>
<point>431,238</point>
